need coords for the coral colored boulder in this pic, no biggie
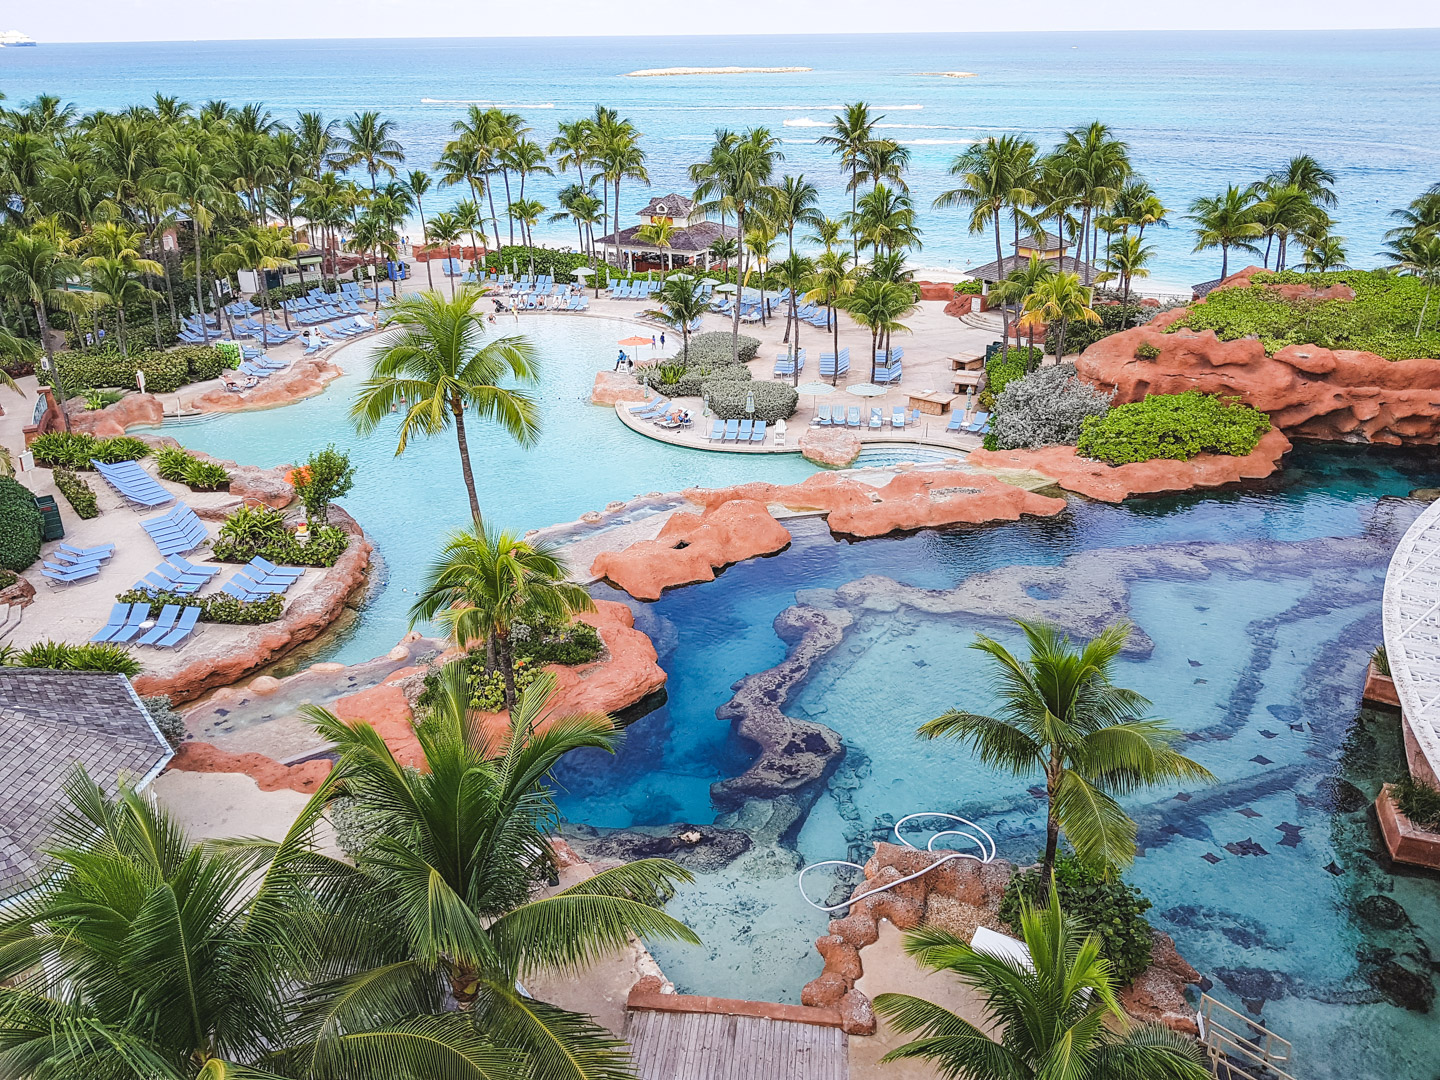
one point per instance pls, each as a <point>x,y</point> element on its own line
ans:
<point>1113,483</point>
<point>268,773</point>
<point>836,447</point>
<point>129,411</point>
<point>692,547</point>
<point>613,386</point>
<point>936,290</point>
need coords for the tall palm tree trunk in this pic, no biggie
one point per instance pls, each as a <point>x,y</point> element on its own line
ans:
<point>739,288</point>
<point>199,301</point>
<point>457,407</point>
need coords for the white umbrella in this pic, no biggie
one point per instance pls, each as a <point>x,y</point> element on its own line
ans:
<point>581,272</point>
<point>866,389</point>
<point>815,388</point>
<point>727,288</point>
<point>681,277</point>
<point>709,281</point>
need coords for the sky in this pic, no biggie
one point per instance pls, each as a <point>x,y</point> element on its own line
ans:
<point>179,20</point>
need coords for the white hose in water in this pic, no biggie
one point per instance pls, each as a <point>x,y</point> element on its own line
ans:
<point>984,843</point>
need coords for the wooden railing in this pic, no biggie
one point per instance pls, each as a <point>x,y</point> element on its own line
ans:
<point>1239,1048</point>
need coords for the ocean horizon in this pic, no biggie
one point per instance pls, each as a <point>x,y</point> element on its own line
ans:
<point>1199,110</point>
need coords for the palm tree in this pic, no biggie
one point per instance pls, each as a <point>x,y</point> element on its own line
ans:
<point>1283,212</point>
<point>885,221</point>
<point>795,272</point>
<point>1056,1016</point>
<point>1128,259</point>
<point>1096,166</point>
<point>851,131</point>
<point>1226,221</point>
<point>760,244</point>
<point>1418,255</point>
<point>658,232</point>
<point>722,249</point>
<point>1324,253</point>
<point>1059,299</point>
<point>419,184</point>
<point>527,212</point>
<point>258,248</point>
<point>438,366</point>
<point>883,160</point>
<point>35,271</point>
<point>484,581</point>
<point>681,303</point>
<point>369,140</point>
<point>443,898</point>
<point>619,157</point>
<point>1062,715</point>
<point>878,306</point>
<point>374,235</point>
<point>832,283</point>
<point>990,176</point>
<point>443,230</point>
<point>1014,289</point>
<point>572,144</point>
<point>145,954</point>
<point>1313,179</point>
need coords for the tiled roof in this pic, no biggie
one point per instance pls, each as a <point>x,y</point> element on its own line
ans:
<point>672,205</point>
<point>52,722</point>
<point>1011,263</point>
<point>1199,292</point>
<point>696,238</point>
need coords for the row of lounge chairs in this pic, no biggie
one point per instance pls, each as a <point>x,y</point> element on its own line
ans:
<point>172,629</point>
<point>176,575</point>
<point>830,367</point>
<point>74,564</point>
<point>825,416</point>
<point>261,578</point>
<point>133,483</point>
<point>738,431</point>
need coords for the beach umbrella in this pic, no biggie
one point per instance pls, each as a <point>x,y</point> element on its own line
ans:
<point>815,388</point>
<point>750,403</point>
<point>709,281</point>
<point>866,389</point>
<point>726,288</point>
<point>635,342</point>
<point>705,400</point>
<point>681,277</point>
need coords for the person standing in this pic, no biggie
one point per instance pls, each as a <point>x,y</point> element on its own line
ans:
<point>662,339</point>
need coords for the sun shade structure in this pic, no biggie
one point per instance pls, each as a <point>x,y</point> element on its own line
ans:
<point>635,342</point>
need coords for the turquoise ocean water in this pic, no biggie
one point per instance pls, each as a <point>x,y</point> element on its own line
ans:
<point>1198,109</point>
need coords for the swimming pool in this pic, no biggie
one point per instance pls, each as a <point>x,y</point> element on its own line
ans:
<point>1256,612</point>
<point>583,460</point>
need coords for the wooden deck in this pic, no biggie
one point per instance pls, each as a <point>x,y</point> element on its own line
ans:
<point>725,1046</point>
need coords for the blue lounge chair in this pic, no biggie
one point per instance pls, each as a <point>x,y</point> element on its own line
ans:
<point>133,483</point>
<point>153,582</point>
<point>183,629</point>
<point>747,428</point>
<point>273,572</point>
<point>194,569</point>
<point>251,585</point>
<point>138,614</point>
<point>118,614</point>
<point>822,416</point>
<point>732,430</point>
<point>74,562</point>
<point>241,594</point>
<point>957,422</point>
<point>163,625</point>
<point>897,417</point>
<point>179,577</point>
<point>979,424</point>
<point>54,574</point>
<point>852,418</point>
<point>717,430</point>
<point>758,436</point>
<point>876,420</point>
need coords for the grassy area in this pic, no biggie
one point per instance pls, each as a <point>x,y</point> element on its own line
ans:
<point>1381,319</point>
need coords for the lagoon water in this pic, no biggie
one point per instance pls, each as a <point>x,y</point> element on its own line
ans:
<point>1199,109</point>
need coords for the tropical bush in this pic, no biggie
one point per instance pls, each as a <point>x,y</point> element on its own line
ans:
<point>206,475</point>
<point>170,721</point>
<point>165,372</point>
<point>170,463</point>
<point>1044,408</point>
<point>20,525</point>
<point>259,530</point>
<point>201,361</point>
<point>90,656</point>
<point>1418,801</point>
<point>1079,336</point>
<point>327,475</point>
<point>1172,426</point>
<point>536,642</point>
<point>74,449</point>
<point>7,578</point>
<point>1383,318</point>
<point>773,400</point>
<point>141,335</point>
<point>1105,906</point>
<point>547,261</point>
<point>1147,351</point>
<point>216,608</point>
<point>713,347</point>
<point>1380,656</point>
<point>77,493</point>
<point>1001,370</point>
<point>969,287</point>
<point>690,381</point>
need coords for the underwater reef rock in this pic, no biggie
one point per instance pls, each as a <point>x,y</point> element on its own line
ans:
<point>701,848</point>
<point>795,756</point>
<point>691,547</point>
<point>214,662</point>
<point>915,499</point>
<point>1336,395</point>
<point>616,386</point>
<point>1115,483</point>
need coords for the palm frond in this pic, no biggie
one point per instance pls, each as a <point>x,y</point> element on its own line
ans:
<point>557,1044</point>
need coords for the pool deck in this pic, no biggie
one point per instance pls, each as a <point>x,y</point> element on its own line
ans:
<point>1411,615</point>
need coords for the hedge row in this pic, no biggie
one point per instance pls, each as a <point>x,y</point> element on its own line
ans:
<point>773,400</point>
<point>165,372</point>
<point>20,525</point>
<point>216,608</point>
<point>1174,427</point>
<point>77,493</point>
<point>74,449</point>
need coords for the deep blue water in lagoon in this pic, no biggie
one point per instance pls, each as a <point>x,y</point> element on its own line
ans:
<point>1237,661</point>
<point>1199,109</point>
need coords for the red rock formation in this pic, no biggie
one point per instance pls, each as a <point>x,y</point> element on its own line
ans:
<point>930,290</point>
<point>304,378</point>
<point>386,709</point>
<point>1114,483</point>
<point>268,773</point>
<point>836,447</point>
<point>961,305</point>
<point>129,411</point>
<point>1309,392</point>
<point>691,547</point>
<point>19,593</point>
<point>1158,993</point>
<point>613,386</point>
<point>917,499</point>
<point>305,617</point>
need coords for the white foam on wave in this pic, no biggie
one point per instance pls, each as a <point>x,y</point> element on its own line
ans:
<point>805,121</point>
<point>729,107</point>
<point>495,104</point>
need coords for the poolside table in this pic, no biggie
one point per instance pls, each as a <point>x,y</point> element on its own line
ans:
<point>965,381</point>
<point>967,362</point>
<point>931,402</point>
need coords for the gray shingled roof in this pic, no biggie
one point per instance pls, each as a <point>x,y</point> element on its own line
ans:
<point>690,240</point>
<point>53,721</point>
<point>672,205</point>
<point>993,271</point>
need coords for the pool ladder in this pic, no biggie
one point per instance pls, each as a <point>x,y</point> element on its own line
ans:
<point>1257,1054</point>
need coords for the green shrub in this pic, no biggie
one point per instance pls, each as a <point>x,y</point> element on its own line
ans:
<point>1381,658</point>
<point>74,449</point>
<point>1418,801</point>
<point>1382,318</point>
<point>170,463</point>
<point>251,531</point>
<point>547,261</point>
<point>201,361</point>
<point>60,655</point>
<point>773,400</point>
<point>216,608</point>
<point>1110,908</point>
<point>713,347</point>
<point>1001,370</point>
<point>1174,427</point>
<point>99,399</point>
<point>77,493</point>
<point>20,526</point>
<point>1146,351</point>
<point>969,287</point>
<point>1079,336</point>
<point>692,382</point>
<point>170,722</point>
<point>550,641</point>
<point>7,578</point>
<point>327,475</point>
<point>165,372</point>
<point>205,475</point>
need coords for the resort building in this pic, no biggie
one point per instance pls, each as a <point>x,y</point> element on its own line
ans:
<point>1048,248</point>
<point>689,241</point>
<point>54,722</point>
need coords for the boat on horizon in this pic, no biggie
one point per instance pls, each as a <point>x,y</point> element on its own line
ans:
<point>14,39</point>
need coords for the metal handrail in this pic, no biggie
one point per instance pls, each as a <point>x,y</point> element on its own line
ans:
<point>1220,1028</point>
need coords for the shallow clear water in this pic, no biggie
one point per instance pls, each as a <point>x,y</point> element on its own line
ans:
<point>1267,880</point>
<point>1199,110</point>
<point>584,459</point>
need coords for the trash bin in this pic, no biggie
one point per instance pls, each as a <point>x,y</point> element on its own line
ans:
<point>52,528</point>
